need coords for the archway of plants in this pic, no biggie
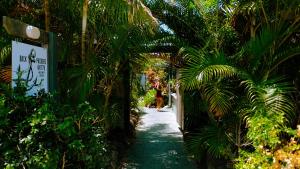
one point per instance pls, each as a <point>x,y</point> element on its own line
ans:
<point>239,67</point>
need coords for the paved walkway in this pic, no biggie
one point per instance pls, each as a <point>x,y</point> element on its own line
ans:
<point>158,144</point>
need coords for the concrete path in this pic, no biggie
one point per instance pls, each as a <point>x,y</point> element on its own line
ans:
<point>158,144</point>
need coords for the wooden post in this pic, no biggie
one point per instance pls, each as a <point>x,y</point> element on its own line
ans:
<point>18,28</point>
<point>169,85</point>
<point>179,103</point>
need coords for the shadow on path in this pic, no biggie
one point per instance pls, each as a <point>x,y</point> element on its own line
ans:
<point>158,143</point>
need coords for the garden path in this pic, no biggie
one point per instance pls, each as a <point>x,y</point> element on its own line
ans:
<point>159,143</point>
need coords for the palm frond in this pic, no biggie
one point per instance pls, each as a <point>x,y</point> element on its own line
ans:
<point>260,46</point>
<point>83,81</point>
<point>5,74</point>
<point>234,124</point>
<point>113,116</point>
<point>5,53</point>
<point>141,16</point>
<point>219,97</point>
<point>284,55</point>
<point>203,67</point>
<point>216,71</point>
<point>251,91</point>
<point>243,109</point>
<point>270,96</point>
<point>212,138</point>
<point>276,97</point>
<point>178,17</point>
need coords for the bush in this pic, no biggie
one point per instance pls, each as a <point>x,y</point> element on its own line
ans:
<point>273,151</point>
<point>39,132</point>
<point>148,99</point>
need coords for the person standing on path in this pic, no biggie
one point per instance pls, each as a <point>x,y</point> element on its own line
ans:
<point>159,96</point>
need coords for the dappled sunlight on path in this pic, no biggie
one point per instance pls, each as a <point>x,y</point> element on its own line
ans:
<point>159,143</point>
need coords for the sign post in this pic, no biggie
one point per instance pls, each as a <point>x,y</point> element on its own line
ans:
<point>43,75</point>
<point>52,61</point>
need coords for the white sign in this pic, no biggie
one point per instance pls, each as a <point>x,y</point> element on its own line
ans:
<point>31,64</point>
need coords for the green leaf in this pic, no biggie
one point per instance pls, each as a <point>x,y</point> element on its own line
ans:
<point>66,128</point>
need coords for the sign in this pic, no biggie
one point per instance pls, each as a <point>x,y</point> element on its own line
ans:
<point>31,65</point>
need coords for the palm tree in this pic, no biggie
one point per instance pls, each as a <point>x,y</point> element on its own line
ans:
<point>113,43</point>
<point>99,53</point>
<point>245,86</point>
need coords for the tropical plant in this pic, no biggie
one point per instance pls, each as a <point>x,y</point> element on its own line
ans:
<point>39,132</point>
<point>148,99</point>
<point>245,85</point>
<point>111,50</point>
<point>111,45</point>
<point>286,154</point>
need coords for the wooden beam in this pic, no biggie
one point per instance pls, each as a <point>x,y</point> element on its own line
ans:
<point>18,28</point>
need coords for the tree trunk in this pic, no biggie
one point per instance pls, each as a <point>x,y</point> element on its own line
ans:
<point>84,26</point>
<point>47,17</point>
<point>252,26</point>
<point>126,102</point>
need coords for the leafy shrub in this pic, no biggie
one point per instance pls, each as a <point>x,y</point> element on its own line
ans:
<point>149,98</point>
<point>271,149</point>
<point>39,132</point>
<point>285,155</point>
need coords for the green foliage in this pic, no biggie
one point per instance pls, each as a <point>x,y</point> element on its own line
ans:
<point>39,132</point>
<point>238,72</point>
<point>212,67</point>
<point>212,138</point>
<point>285,154</point>
<point>271,110</point>
<point>4,54</point>
<point>148,99</point>
<point>256,160</point>
<point>243,45</point>
<point>265,107</point>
